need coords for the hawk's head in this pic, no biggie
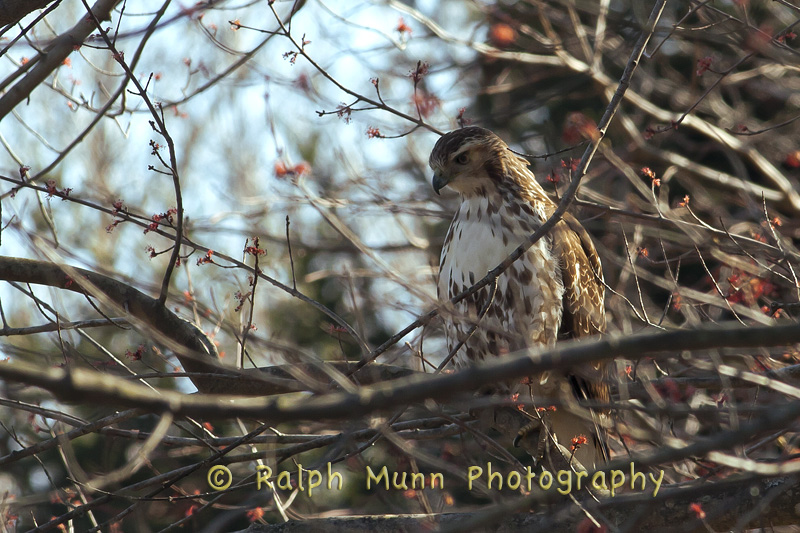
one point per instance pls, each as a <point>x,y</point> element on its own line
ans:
<point>470,159</point>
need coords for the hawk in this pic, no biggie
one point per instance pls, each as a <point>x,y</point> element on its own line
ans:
<point>555,290</point>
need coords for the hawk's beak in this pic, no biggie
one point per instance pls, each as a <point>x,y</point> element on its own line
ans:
<point>438,183</point>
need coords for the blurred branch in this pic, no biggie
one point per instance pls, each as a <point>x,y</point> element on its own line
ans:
<point>53,326</point>
<point>623,512</point>
<point>706,383</point>
<point>92,386</point>
<point>53,56</point>
<point>193,348</point>
<point>12,11</point>
<point>714,236</point>
<point>377,104</point>
<point>143,222</point>
<point>75,433</point>
<point>196,352</point>
<point>112,98</point>
<point>159,125</point>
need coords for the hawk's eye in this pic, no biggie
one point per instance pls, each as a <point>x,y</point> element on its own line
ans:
<point>462,159</point>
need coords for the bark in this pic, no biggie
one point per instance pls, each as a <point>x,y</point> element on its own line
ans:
<point>12,11</point>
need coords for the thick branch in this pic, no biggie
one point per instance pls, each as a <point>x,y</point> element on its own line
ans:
<point>54,55</point>
<point>12,11</point>
<point>89,385</point>
<point>193,348</point>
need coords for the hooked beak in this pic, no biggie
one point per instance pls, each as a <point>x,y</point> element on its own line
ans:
<point>438,183</point>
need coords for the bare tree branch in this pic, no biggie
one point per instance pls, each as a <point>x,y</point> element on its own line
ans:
<point>93,386</point>
<point>54,55</point>
<point>13,10</point>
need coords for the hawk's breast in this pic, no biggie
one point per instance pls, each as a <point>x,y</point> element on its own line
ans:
<point>527,305</point>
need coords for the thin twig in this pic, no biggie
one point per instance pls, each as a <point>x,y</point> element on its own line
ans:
<point>291,258</point>
<point>377,104</point>
<point>160,127</point>
<point>255,252</point>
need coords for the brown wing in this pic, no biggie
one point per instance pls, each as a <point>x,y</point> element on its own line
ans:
<point>584,310</point>
<point>584,307</point>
